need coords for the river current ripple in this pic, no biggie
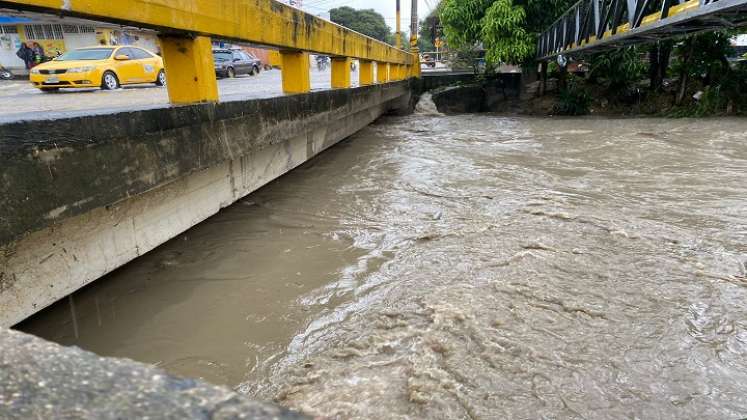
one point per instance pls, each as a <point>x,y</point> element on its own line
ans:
<point>531,268</point>
<point>470,266</point>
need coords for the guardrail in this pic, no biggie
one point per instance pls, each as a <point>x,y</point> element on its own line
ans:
<point>594,23</point>
<point>185,28</point>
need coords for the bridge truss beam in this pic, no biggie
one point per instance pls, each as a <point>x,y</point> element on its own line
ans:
<point>596,25</point>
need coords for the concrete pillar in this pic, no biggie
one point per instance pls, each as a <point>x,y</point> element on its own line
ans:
<point>190,70</point>
<point>341,72</point>
<point>366,73</point>
<point>295,71</point>
<point>382,72</point>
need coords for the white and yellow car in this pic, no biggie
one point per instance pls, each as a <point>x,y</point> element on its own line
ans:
<point>104,67</point>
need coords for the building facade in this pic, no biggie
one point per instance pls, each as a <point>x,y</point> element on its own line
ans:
<point>57,36</point>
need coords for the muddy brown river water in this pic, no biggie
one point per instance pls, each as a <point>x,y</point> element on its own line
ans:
<point>468,266</point>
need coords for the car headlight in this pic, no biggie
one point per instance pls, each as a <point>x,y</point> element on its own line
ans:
<point>35,71</point>
<point>85,69</point>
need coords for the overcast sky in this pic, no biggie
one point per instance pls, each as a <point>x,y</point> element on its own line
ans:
<point>386,7</point>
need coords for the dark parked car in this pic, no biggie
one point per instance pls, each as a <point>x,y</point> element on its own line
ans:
<point>231,63</point>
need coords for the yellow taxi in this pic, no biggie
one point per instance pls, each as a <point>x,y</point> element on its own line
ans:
<point>105,67</point>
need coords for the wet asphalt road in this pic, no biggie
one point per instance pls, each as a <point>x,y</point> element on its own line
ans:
<point>21,101</point>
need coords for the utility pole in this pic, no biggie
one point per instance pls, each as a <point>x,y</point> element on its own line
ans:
<point>399,26</point>
<point>414,27</point>
<point>414,39</point>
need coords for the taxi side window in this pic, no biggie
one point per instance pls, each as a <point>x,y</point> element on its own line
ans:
<point>128,52</point>
<point>140,54</point>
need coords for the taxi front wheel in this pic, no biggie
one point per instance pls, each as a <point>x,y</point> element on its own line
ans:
<point>109,81</point>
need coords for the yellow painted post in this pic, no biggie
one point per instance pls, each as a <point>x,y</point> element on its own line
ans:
<point>415,68</point>
<point>341,72</point>
<point>414,39</point>
<point>273,59</point>
<point>382,72</point>
<point>295,71</point>
<point>400,73</point>
<point>190,71</point>
<point>366,73</point>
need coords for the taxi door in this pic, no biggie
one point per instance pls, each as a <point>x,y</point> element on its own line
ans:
<point>128,71</point>
<point>148,65</point>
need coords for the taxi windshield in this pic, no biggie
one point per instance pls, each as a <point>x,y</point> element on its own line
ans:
<point>87,54</point>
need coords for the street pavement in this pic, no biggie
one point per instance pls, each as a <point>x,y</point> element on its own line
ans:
<point>21,101</point>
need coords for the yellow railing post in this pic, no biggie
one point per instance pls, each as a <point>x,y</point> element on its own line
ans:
<point>398,72</point>
<point>295,71</point>
<point>341,72</point>
<point>415,68</point>
<point>414,39</point>
<point>366,73</point>
<point>190,71</point>
<point>382,72</point>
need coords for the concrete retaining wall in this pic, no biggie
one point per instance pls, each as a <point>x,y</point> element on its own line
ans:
<point>434,80</point>
<point>85,195</point>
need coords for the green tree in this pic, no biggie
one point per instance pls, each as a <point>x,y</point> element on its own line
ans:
<point>703,57</point>
<point>617,70</point>
<point>462,21</point>
<point>428,33</point>
<point>392,39</point>
<point>367,21</point>
<point>504,33</point>
<point>506,29</point>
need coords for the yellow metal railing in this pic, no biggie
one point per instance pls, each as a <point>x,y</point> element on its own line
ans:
<point>186,26</point>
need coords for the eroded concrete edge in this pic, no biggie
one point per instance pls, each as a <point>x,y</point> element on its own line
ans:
<point>42,380</point>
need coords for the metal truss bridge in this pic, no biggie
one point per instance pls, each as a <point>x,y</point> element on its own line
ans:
<point>596,25</point>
